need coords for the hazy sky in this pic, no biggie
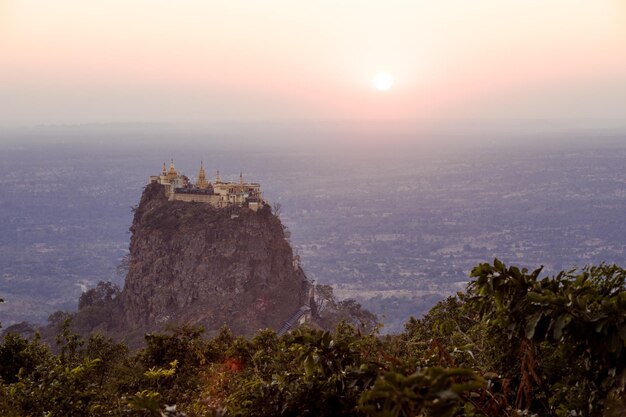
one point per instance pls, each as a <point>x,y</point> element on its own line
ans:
<point>77,61</point>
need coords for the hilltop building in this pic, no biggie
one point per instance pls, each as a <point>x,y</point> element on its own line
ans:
<point>219,194</point>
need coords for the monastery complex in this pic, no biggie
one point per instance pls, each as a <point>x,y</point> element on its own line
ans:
<point>218,194</point>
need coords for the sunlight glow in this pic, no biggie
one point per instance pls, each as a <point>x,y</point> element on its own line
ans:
<point>382,81</point>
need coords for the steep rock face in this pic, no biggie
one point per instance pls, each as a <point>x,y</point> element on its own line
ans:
<point>192,263</point>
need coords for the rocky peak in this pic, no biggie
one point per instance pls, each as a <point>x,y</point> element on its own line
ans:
<point>193,263</point>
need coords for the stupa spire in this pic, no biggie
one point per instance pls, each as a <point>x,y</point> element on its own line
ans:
<point>172,174</point>
<point>202,182</point>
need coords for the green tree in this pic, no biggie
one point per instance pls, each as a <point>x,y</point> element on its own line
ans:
<point>102,294</point>
<point>435,391</point>
<point>567,334</point>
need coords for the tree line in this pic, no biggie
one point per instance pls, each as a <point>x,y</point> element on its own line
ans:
<point>514,343</point>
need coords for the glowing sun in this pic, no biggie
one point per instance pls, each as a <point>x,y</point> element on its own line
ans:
<point>382,81</point>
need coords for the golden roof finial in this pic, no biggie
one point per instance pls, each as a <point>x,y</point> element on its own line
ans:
<point>172,174</point>
<point>202,182</point>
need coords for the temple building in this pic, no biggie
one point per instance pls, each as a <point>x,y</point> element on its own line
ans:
<point>219,194</point>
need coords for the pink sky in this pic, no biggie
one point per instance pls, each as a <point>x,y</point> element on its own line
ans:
<point>201,61</point>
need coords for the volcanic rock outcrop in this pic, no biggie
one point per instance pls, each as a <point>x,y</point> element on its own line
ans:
<point>193,263</point>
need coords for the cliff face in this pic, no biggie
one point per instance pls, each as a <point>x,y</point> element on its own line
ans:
<point>192,263</point>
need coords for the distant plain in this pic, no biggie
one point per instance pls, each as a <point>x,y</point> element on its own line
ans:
<point>394,219</point>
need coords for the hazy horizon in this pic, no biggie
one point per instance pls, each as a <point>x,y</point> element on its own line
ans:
<point>348,134</point>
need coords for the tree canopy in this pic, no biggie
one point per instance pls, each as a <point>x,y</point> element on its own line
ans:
<point>515,343</point>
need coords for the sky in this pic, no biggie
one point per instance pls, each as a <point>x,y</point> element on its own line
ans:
<point>203,61</point>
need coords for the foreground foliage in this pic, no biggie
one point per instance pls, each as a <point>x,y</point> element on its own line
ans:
<point>513,344</point>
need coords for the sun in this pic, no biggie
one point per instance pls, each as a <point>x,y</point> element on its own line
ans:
<point>382,81</point>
